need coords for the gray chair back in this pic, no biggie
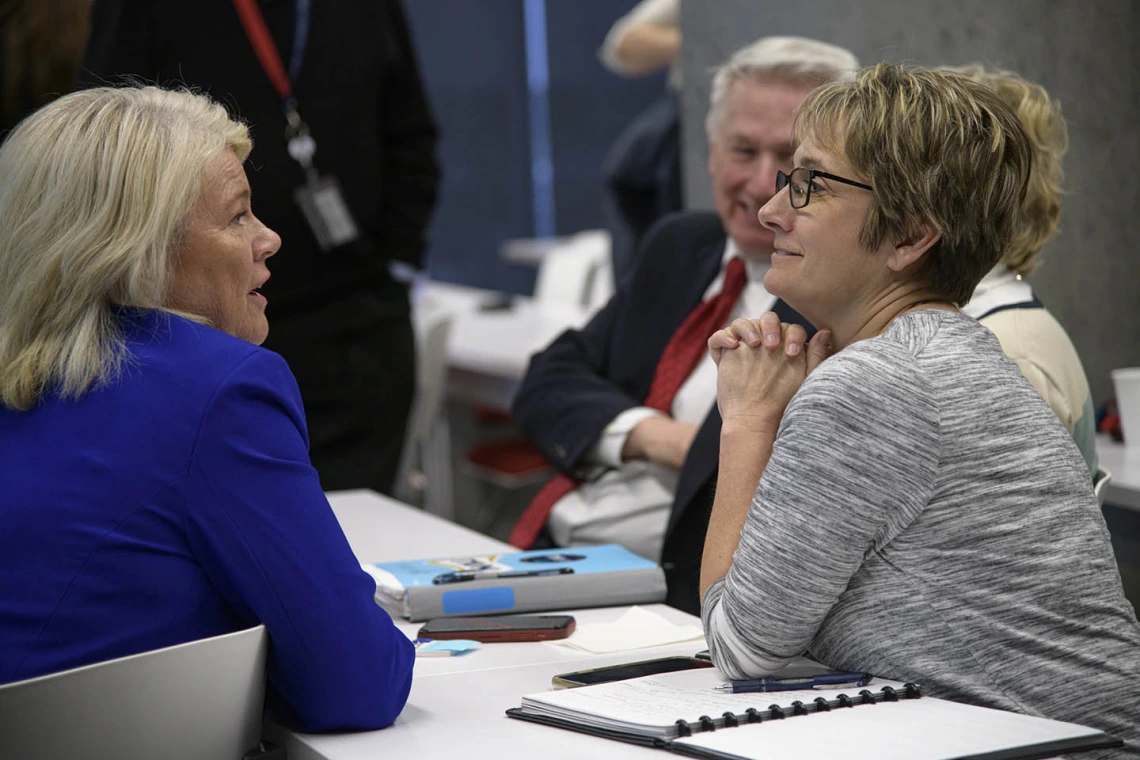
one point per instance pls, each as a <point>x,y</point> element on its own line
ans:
<point>202,699</point>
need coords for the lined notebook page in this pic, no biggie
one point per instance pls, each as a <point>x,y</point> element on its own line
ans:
<point>919,729</point>
<point>650,705</point>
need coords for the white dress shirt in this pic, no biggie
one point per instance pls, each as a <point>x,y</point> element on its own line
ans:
<point>630,503</point>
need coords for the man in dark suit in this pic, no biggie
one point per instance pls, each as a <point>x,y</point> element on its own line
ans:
<point>625,407</point>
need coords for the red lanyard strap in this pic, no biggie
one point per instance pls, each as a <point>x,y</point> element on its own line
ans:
<point>264,46</point>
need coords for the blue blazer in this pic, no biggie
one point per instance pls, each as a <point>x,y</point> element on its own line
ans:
<point>577,385</point>
<point>177,503</point>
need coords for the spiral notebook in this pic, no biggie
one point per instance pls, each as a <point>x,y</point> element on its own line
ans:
<point>683,713</point>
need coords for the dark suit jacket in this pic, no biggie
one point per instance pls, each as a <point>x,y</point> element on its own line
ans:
<point>576,387</point>
<point>359,90</point>
<point>641,178</point>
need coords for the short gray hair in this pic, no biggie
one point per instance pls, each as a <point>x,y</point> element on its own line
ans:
<point>95,190</point>
<point>793,59</point>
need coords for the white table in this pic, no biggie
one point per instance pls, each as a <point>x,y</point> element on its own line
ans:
<point>529,251</point>
<point>380,529</point>
<point>457,704</point>
<point>1123,490</point>
<point>488,350</point>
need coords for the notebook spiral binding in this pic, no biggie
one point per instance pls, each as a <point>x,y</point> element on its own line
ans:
<point>818,705</point>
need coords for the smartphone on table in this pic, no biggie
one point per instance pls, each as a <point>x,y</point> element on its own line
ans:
<point>628,670</point>
<point>497,628</point>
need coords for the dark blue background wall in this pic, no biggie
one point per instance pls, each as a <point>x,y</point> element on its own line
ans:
<point>473,59</point>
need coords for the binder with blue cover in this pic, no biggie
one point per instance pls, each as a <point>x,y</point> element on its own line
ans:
<point>530,581</point>
<point>684,713</point>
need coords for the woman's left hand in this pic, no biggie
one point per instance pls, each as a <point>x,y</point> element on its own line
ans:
<point>761,364</point>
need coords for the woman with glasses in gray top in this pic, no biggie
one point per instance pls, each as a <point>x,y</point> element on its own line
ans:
<point>894,496</point>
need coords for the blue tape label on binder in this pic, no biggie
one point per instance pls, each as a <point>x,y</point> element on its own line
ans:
<point>478,600</point>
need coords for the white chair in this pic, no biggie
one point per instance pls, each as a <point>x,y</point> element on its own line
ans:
<point>424,476</point>
<point>1100,483</point>
<point>202,699</point>
<point>577,271</point>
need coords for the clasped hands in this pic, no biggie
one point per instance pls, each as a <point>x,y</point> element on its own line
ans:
<point>761,363</point>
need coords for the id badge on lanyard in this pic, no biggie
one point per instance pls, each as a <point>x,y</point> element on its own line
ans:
<point>320,197</point>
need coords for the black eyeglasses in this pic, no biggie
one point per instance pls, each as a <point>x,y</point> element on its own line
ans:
<point>800,180</point>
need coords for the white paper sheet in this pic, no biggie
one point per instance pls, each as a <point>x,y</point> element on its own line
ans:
<point>635,629</point>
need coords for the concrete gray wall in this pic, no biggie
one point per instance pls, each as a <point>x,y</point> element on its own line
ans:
<point>1082,51</point>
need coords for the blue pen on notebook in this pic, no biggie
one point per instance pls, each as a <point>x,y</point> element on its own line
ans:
<point>481,575</point>
<point>798,683</point>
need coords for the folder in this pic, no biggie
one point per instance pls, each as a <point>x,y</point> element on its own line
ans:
<point>531,581</point>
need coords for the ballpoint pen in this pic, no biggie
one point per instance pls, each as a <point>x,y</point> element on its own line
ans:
<point>822,681</point>
<point>480,575</point>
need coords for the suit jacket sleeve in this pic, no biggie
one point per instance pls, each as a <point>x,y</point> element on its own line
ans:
<point>566,399</point>
<point>411,172</point>
<point>581,382</point>
<point>261,527</point>
<point>575,387</point>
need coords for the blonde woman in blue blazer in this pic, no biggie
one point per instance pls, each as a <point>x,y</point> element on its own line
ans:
<point>155,483</point>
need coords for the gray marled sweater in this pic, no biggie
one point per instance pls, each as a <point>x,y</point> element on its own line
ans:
<point>925,517</point>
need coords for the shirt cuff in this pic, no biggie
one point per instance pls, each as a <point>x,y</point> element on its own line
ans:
<point>607,451</point>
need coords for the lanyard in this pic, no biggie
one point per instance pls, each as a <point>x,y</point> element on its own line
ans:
<point>266,49</point>
<point>301,145</point>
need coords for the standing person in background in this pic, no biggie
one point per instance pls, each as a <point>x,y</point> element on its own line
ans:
<point>1003,301</point>
<point>41,44</point>
<point>347,84</point>
<point>641,174</point>
<point>645,40</point>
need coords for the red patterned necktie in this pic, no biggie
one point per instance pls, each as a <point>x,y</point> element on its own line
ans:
<point>680,357</point>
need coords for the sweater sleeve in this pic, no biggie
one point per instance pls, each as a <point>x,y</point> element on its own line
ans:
<point>262,529</point>
<point>853,463</point>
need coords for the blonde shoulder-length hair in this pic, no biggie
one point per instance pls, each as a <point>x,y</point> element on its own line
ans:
<point>1040,116</point>
<point>95,190</point>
